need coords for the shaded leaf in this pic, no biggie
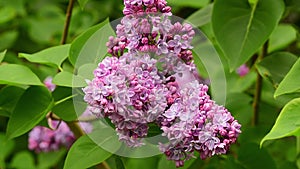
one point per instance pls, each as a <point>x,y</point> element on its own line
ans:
<point>82,3</point>
<point>9,97</point>
<point>50,159</point>
<point>287,123</point>
<point>251,156</point>
<point>50,56</point>
<point>6,147</point>
<point>7,39</point>
<point>291,82</point>
<point>7,13</point>
<point>18,74</point>
<point>242,28</point>
<point>169,164</point>
<point>31,108</point>
<point>23,160</point>
<point>276,66</point>
<point>90,47</point>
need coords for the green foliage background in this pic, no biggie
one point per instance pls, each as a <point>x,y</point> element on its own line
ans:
<point>264,34</point>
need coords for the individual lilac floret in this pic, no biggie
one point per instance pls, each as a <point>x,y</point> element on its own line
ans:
<point>243,70</point>
<point>130,92</point>
<point>43,139</point>
<point>48,83</point>
<point>196,123</point>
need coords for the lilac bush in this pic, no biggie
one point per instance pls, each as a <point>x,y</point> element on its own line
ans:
<point>151,78</point>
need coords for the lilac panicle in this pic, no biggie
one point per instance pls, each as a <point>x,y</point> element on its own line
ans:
<point>43,139</point>
<point>151,78</point>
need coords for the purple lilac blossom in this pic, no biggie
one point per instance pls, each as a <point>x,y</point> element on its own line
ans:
<point>151,78</point>
<point>43,139</point>
<point>48,83</point>
<point>243,70</point>
<point>197,123</point>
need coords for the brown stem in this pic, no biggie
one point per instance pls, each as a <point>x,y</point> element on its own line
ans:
<point>67,22</point>
<point>258,86</point>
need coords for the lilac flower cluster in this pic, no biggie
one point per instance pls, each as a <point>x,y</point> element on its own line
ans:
<point>151,78</point>
<point>43,139</point>
<point>196,123</point>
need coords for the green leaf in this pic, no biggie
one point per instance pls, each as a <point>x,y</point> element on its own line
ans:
<point>291,82</point>
<point>82,3</point>
<point>6,147</point>
<point>87,70</point>
<point>201,17</point>
<point>287,123</point>
<point>67,79</point>
<point>50,159</point>
<point>242,28</point>
<point>276,66</point>
<point>189,3</point>
<point>119,162</point>
<point>251,156</point>
<point>31,108</point>
<point>7,39</point>
<point>85,153</point>
<point>147,163</point>
<point>53,56</point>
<point>282,36</point>
<point>90,47</point>
<point>18,74</point>
<point>9,97</point>
<point>2,55</point>
<point>169,164</point>
<point>23,160</point>
<point>7,14</point>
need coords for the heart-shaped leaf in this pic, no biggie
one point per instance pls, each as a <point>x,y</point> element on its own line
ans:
<point>287,123</point>
<point>241,27</point>
<point>31,108</point>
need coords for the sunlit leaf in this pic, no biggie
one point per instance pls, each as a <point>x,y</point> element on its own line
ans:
<point>31,108</point>
<point>2,55</point>
<point>9,97</point>
<point>17,74</point>
<point>287,123</point>
<point>291,82</point>
<point>242,28</point>
<point>51,56</point>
